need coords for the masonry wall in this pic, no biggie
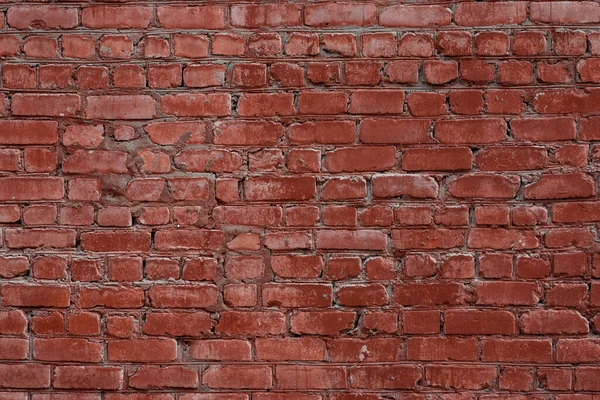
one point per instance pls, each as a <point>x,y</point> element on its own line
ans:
<point>299,200</point>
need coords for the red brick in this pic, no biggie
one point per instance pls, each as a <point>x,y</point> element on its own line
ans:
<point>142,350</point>
<point>358,240</point>
<point>67,349</point>
<point>363,158</point>
<point>115,241</point>
<point>565,13</point>
<point>490,14</point>
<point>238,377</point>
<point>376,102</point>
<point>492,44</point>
<point>450,159</point>
<point>24,376</point>
<point>40,47</point>
<point>417,186</point>
<point>517,350</point>
<point>220,350</point>
<point>290,349</point>
<point>310,377</point>
<point>329,323</point>
<point>47,105</point>
<point>479,322</point>
<point>88,377</point>
<point>251,323</point>
<point>461,377</point>
<point>415,16</point>
<point>280,189</point>
<point>121,107</point>
<point>191,17</point>
<point>428,294</point>
<point>442,349</point>
<point>36,295</point>
<point>485,186</point>
<point>55,76</point>
<point>150,377</point>
<point>467,131</point>
<point>342,14</point>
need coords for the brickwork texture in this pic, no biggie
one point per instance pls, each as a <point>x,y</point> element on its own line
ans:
<point>299,200</point>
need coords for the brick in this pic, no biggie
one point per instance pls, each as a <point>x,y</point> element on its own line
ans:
<point>483,322</point>
<point>427,294</point>
<point>515,158</point>
<point>451,159</point>
<point>198,296</point>
<point>553,322</point>
<point>121,107</point>
<point>67,349</point>
<point>128,17</point>
<point>288,349</point>
<point>442,349</point>
<point>36,295</point>
<point>461,377</point>
<point>376,102</point>
<point>46,105</point>
<point>88,377</point>
<point>238,377</point>
<point>485,186</point>
<point>142,350</point>
<point>310,377</point>
<point>358,240</point>
<point>313,102</point>
<point>24,376</point>
<point>251,323</point>
<point>490,14</point>
<point>343,14</point>
<point>415,16</point>
<point>271,15</point>
<point>191,17</point>
<point>563,12</point>
<point>360,159</point>
<point>440,72</point>
<point>116,241</point>
<point>329,323</point>
<point>150,377</point>
<point>396,185</point>
<point>221,350</point>
<point>280,189</point>
<point>467,131</point>
<point>111,297</point>
<point>517,350</point>
<point>457,43</point>
<point>198,105</point>
<point>13,323</point>
<point>40,47</point>
<point>580,185</point>
<point>18,76</point>
<point>44,17</point>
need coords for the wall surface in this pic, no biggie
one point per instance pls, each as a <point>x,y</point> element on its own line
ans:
<point>301,200</point>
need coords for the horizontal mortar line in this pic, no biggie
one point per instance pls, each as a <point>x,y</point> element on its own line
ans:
<point>185,61</point>
<point>246,2</point>
<point>300,28</point>
<point>307,89</point>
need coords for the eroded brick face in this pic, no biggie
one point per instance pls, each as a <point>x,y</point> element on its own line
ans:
<point>335,200</point>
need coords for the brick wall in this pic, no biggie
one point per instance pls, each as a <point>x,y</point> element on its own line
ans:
<point>299,201</point>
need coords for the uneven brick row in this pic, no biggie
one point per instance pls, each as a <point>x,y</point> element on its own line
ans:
<point>451,43</point>
<point>290,75</point>
<point>215,17</point>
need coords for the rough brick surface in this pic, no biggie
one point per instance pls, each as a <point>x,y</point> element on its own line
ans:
<point>271,200</point>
